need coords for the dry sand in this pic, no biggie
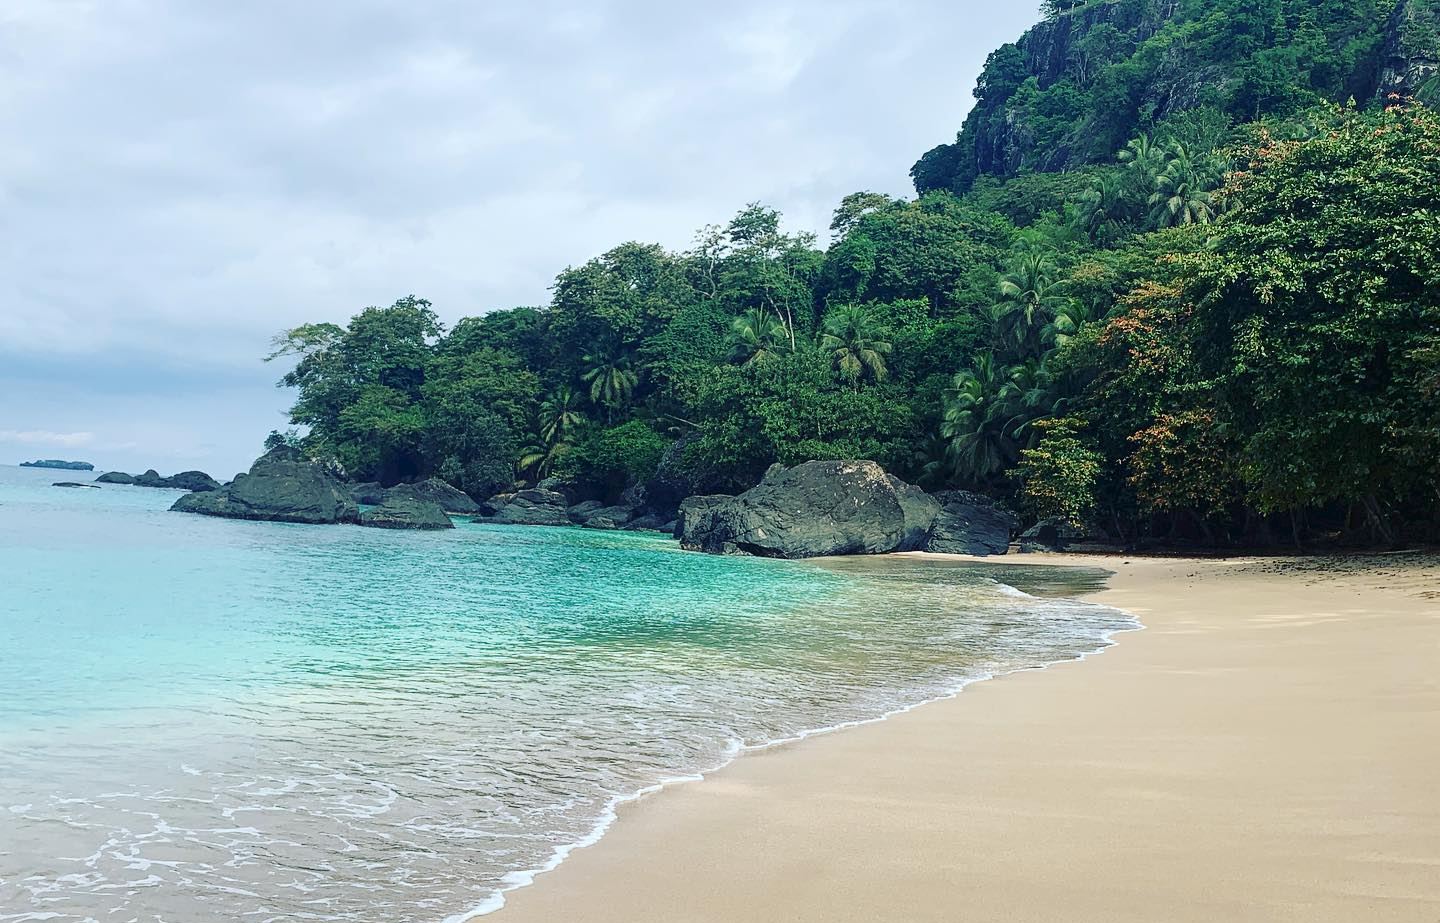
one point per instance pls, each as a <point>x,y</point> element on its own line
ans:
<point>1268,749</point>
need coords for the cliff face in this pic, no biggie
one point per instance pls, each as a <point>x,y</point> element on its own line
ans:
<point>1077,86</point>
<point>1411,65</point>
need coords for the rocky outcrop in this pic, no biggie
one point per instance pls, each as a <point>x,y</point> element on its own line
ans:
<point>607,517</point>
<point>584,510</point>
<point>675,478</point>
<point>814,509</point>
<point>434,490</point>
<point>1411,63</point>
<point>529,507</point>
<point>115,477</point>
<point>399,512</point>
<point>282,486</point>
<point>369,493</point>
<point>838,508</point>
<point>74,484</point>
<point>192,480</point>
<point>970,524</point>
<point>58,464</point>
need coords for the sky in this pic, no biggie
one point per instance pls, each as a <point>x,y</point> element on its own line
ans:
<point>181,180</point>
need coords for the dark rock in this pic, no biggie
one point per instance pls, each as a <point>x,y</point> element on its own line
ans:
<point>191,480</point>
<point>814,509</point>
<point>608,517</point>
<point>74,484</point>
<point>670,527</point>
<point>59,464</point>
<point>970,524</point>
<point>676,478</point>
<point>694,517</point>
<point>434,490</point>
<point>151,478</point>
<point>399,512</point>
<point>1049,535</point>
<point>529,507</point>
<point>646,522</point>
<point>185,480</point>
<point>369,493</point>
<point>920,510</point>
<point>584,510</point>
<point>282,486</point>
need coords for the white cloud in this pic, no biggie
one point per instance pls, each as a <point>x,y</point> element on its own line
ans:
<point>44,437</point>
<point>182,180</point>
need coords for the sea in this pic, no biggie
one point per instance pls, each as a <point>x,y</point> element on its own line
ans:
<point>214,720</point>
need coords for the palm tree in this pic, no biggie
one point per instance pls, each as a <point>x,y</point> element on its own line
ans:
<point>1184,189</point>
<point>1070,317</point>
<point>975,421</point>
<point>756,336</point>
<point>1103,207</point>
<point>612,380</point>
<point>1027,293</point>
<point>853,338</point>
<point>559,415</point>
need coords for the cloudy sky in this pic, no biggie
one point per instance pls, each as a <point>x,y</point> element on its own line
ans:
<point>180,180</point>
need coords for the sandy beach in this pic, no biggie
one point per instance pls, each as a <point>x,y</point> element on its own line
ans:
<point>1267,749</point>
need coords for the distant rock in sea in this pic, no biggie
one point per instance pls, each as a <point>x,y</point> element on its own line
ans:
<point>282,486</point>
<point>57,463</point>
<point>185,480</point>
<point>74,484</point>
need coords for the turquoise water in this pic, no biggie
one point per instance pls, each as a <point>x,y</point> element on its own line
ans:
<point>205,719</point>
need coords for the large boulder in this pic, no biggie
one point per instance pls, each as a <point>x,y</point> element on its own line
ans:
<point>919,511</point>
<point>399,512</point>
<point>434,490</point>
<point>282,486</point>
<point>115,477</point>
<point>529,507</point>
<point>695,518</point>
<point>811,510</point>
<point>607,517</point>
<point>970,523</point>
<point>584,510</point>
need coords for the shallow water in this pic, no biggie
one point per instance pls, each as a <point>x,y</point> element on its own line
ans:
<point>206,720</point>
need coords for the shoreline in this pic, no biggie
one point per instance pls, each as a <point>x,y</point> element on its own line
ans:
<point>527,878</point>
<point>766,832</point>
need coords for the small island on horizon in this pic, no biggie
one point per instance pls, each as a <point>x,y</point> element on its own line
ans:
<point>57,463</point>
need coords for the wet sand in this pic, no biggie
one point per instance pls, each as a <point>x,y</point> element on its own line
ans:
<point>1267,749</point>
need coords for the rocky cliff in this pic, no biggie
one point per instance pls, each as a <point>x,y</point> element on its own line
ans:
<point>1077,86</point>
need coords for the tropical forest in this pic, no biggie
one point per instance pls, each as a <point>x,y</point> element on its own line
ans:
<point>1175,279</point>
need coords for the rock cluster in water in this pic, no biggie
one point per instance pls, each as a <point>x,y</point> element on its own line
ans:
<point>185,480</point>
<point>57,463</point>
<point>814,509</point>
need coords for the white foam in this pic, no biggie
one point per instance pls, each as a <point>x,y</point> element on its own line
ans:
<point>521,879</point>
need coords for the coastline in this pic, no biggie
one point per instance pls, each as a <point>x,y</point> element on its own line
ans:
<point>1260,752</point>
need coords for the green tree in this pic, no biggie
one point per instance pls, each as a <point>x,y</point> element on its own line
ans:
<point>856,343</point>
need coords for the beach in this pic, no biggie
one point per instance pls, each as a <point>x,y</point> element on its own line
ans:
<point>1266,749</point>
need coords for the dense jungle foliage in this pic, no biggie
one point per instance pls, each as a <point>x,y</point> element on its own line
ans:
<point>1218,322</point>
